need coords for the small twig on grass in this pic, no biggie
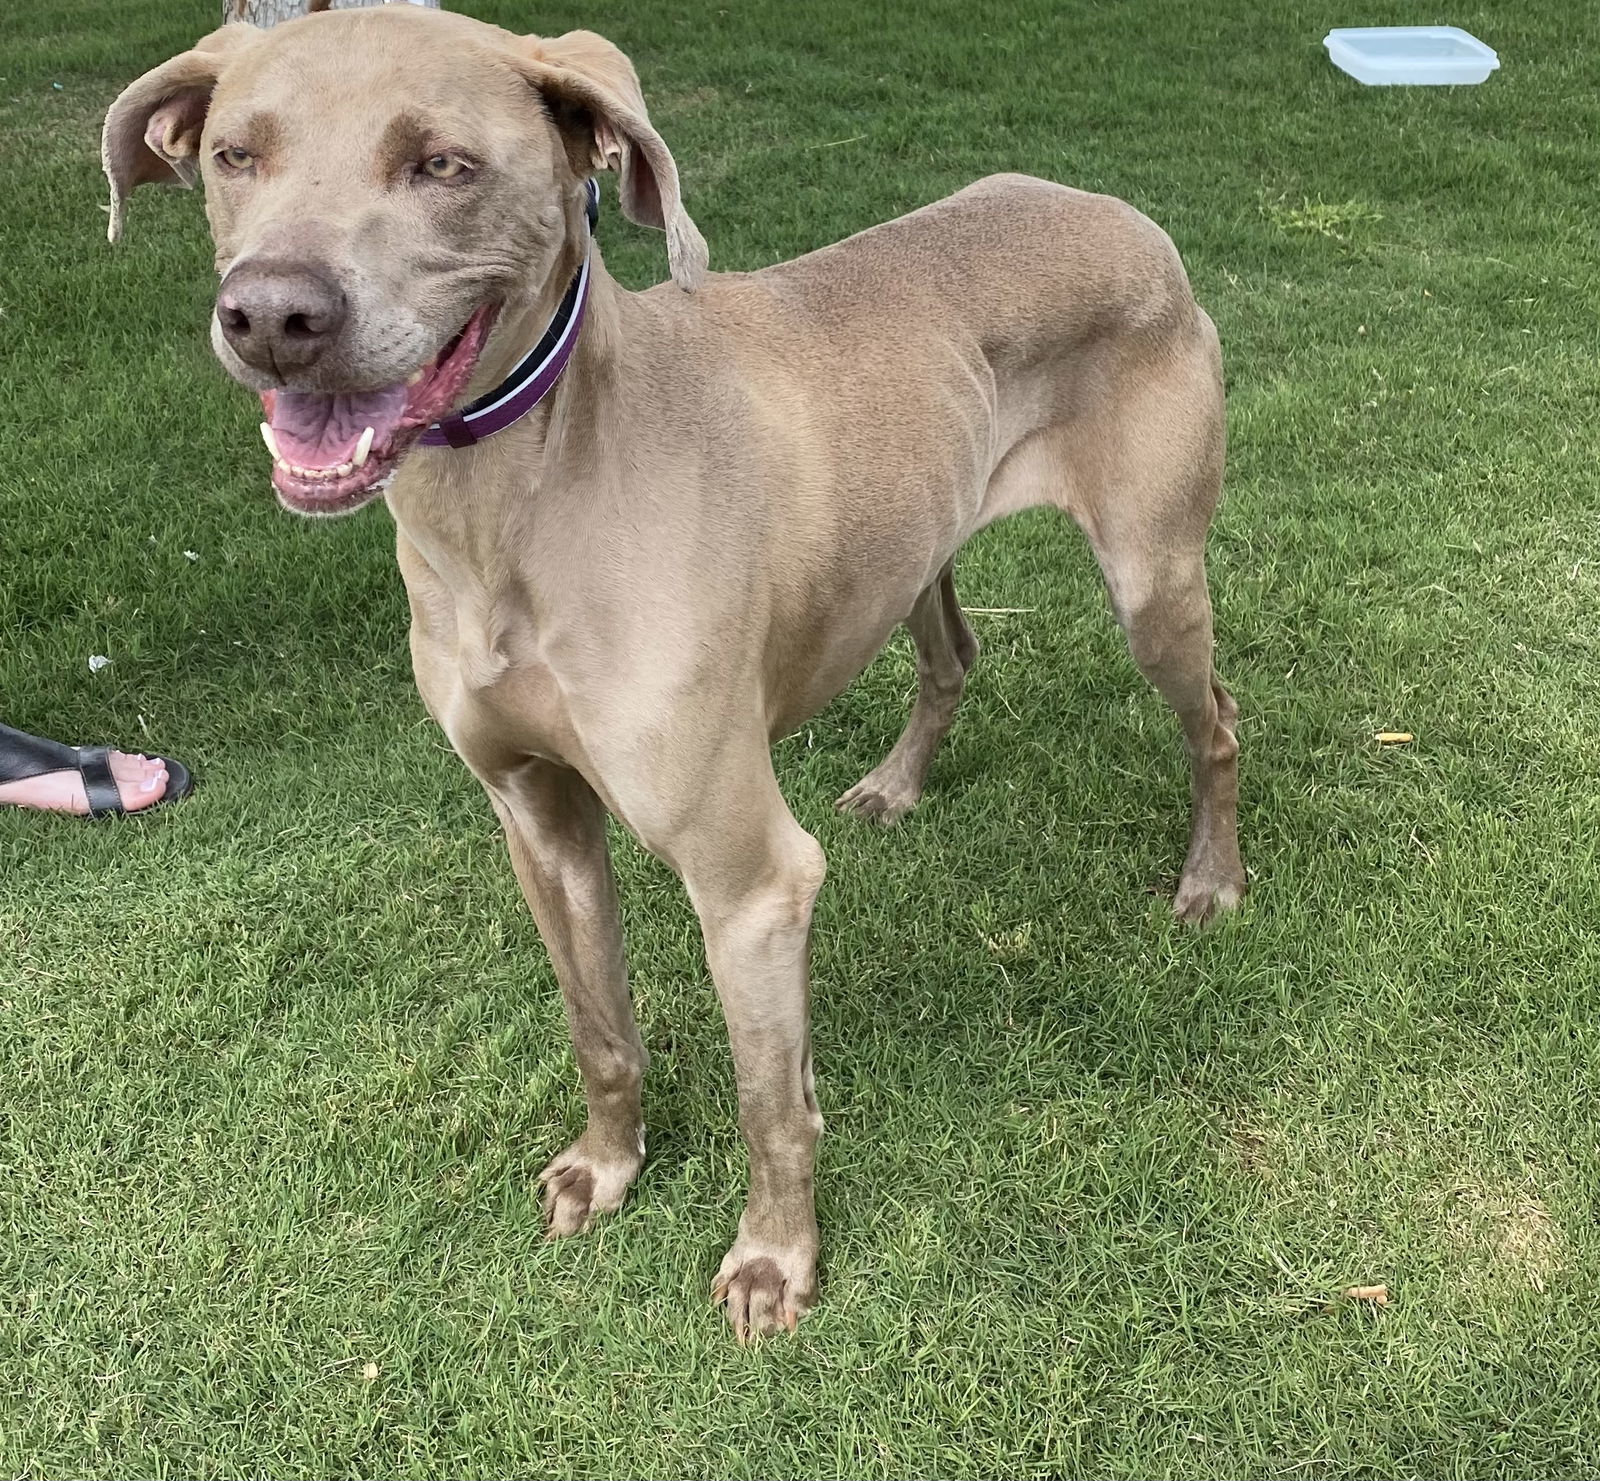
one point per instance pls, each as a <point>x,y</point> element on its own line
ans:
<point>1376,1295</point>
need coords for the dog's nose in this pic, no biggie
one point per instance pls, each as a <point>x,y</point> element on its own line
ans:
<point>280,318</point>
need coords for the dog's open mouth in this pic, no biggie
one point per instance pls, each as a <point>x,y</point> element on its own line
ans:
<point>333,452</point>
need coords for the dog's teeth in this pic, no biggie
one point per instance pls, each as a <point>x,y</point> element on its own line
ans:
<point>271,442</point>
<point>359,456</point>
<point>342,469</point>
<point>415,377</point>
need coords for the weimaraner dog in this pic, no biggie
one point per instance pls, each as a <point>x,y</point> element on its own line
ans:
<point>643,534</point>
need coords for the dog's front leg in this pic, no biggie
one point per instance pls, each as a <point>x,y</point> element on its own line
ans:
<point>753,875</point>
<point>555,827</point>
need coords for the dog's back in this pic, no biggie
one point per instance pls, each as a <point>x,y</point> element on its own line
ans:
<point>1024,262</point>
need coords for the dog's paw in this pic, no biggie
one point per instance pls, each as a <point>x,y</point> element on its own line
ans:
<point>880,798</point>
<point>1206,892</point>
<point>764,1288</point>
<point>579,1185</point>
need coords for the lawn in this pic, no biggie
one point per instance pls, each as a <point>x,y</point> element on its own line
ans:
<point>277,1069</point>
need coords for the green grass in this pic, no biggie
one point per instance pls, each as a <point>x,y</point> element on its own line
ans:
<point>276,1070</point>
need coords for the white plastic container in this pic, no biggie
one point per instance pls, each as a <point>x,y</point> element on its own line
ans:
<point>1382,56</point>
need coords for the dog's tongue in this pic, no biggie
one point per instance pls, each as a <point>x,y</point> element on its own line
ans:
<point>321,431</point>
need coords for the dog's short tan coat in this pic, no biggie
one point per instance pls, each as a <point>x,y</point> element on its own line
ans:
<point>740,486</point>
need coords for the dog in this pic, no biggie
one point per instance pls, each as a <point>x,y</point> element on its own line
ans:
<point>715,502</point>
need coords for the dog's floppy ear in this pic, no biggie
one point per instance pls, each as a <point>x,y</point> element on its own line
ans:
<point>593,91</point>
<point>152,132</point>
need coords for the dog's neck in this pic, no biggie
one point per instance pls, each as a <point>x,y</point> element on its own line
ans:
<point>460,506</point>
<point>522,326</point>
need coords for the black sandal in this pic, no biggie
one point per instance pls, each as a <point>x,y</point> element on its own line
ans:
<point>23,756</point>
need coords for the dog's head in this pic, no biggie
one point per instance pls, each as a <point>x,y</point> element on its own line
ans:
<point>381,185</point>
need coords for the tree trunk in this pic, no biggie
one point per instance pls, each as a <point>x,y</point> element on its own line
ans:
<point>270,12</point>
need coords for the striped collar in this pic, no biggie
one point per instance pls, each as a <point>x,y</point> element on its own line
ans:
<point>536,373</point>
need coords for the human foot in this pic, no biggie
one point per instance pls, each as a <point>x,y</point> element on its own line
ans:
<point>141,782</point>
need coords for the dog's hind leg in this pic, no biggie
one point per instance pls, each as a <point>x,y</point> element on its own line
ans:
<point>1161,601</point>
<point>1157,480</point>
<point>946,649</point>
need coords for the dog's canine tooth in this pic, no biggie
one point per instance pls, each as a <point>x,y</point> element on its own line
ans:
<point>359,456</point>
<point>415,377</point>
<point>271,442</point>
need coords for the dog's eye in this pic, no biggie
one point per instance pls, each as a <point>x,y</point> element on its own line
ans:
<point>443,166</point>
<point>236,158</point>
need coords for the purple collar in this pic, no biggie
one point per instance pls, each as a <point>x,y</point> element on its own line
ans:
<point>535,374</point>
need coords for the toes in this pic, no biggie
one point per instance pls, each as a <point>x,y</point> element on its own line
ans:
<point>874,803</point>
<point>130,766</point>
<point>759,1300</point>
<point>579,1186</point>
<point>858,800</point>
<point>1200,901</point>
<point>766,1305</point>
<point>126,766</point>
<point>568,1200</point>
<point>738,1299</point>
<point>141,780</point>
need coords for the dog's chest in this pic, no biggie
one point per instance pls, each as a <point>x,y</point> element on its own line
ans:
<point>483,672</point>
<point>507,701</point>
